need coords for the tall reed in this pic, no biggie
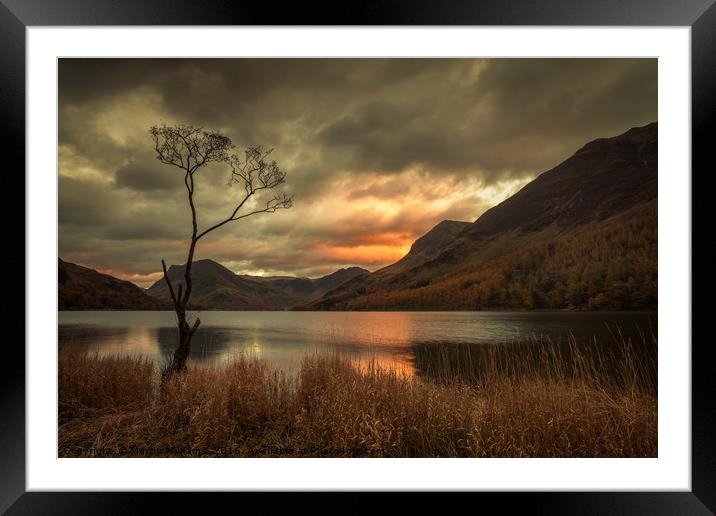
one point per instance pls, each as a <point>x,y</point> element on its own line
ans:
<point>536,400</point>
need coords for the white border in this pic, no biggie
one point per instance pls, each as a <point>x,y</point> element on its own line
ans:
<point>671,471</point>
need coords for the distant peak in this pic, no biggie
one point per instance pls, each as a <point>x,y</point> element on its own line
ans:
<point>344,270</point>
<point>448,222</point>
<point>199,266</point>
<point>638,134</point>
<point>203,261</point>
<point>354,268</point>
<point>207,261</point>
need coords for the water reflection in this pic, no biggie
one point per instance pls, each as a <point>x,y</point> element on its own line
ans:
<point>402,341</point>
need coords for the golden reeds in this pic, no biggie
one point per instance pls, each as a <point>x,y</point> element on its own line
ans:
<point>536,400</point>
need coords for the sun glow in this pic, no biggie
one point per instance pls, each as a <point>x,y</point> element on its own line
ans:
<point>376,255</point>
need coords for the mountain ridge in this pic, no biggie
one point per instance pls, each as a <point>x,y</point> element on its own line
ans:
<point>82,288</point>
<point>605,178</point>
<point>216,287</point>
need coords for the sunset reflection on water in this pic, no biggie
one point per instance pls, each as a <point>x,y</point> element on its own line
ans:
<point>281,339</point>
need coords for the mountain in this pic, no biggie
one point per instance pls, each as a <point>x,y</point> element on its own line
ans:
<point>213,286</point>
<point>306,288</point>
<point>80,288</point>
<point>580,235</point>
<point>604,177</point>
<point>216,287</point>
<point>428,245</point>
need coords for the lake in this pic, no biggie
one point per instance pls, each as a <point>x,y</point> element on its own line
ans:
<point>393,339</point>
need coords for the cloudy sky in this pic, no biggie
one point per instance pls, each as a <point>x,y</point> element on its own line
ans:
<point>376,151</point>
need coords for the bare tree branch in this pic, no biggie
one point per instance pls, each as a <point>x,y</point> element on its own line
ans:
<point>280,201</point>
<point>169,283</point>
<point>196,325</point>
<point>254,173</point>
<point>189,147</point>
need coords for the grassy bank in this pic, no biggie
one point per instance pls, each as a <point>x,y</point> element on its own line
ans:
<point>526,401</point>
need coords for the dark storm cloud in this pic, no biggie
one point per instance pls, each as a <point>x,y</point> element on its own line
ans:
<point>376,150</point>
<point>85,203</point>
<point>94,206</point>
<point>543,109</point>
<point>519,116</point>
<point>145,176</point>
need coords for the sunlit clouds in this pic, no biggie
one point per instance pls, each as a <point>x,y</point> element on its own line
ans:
<point>377,151</point>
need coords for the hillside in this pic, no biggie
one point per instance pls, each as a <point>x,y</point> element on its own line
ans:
<point>581,235</point>
<point>216,287</point>
<point>427,246</point>
<point>80,288</point>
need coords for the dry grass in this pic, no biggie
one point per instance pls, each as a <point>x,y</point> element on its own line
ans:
<point>524,402</point>
<point>90,385</point>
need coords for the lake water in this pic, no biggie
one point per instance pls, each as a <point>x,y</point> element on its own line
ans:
<point>394,339</point>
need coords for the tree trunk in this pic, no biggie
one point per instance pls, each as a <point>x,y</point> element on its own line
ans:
<point>181,353</point>
<point>186,332</point>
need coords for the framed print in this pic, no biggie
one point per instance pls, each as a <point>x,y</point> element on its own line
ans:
<point>420,249</point>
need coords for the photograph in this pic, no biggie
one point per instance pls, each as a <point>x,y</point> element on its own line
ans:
<point>357,257</point>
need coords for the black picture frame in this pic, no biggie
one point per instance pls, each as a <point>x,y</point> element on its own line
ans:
<point>16,15</point>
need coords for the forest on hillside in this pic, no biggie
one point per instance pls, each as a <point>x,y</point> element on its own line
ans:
<point>611,266</point>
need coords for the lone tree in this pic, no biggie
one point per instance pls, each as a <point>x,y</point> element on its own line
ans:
<point>190,149</point>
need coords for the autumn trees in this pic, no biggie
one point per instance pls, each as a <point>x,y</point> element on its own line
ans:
<point>190,149</point>
<point>610,266</point>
